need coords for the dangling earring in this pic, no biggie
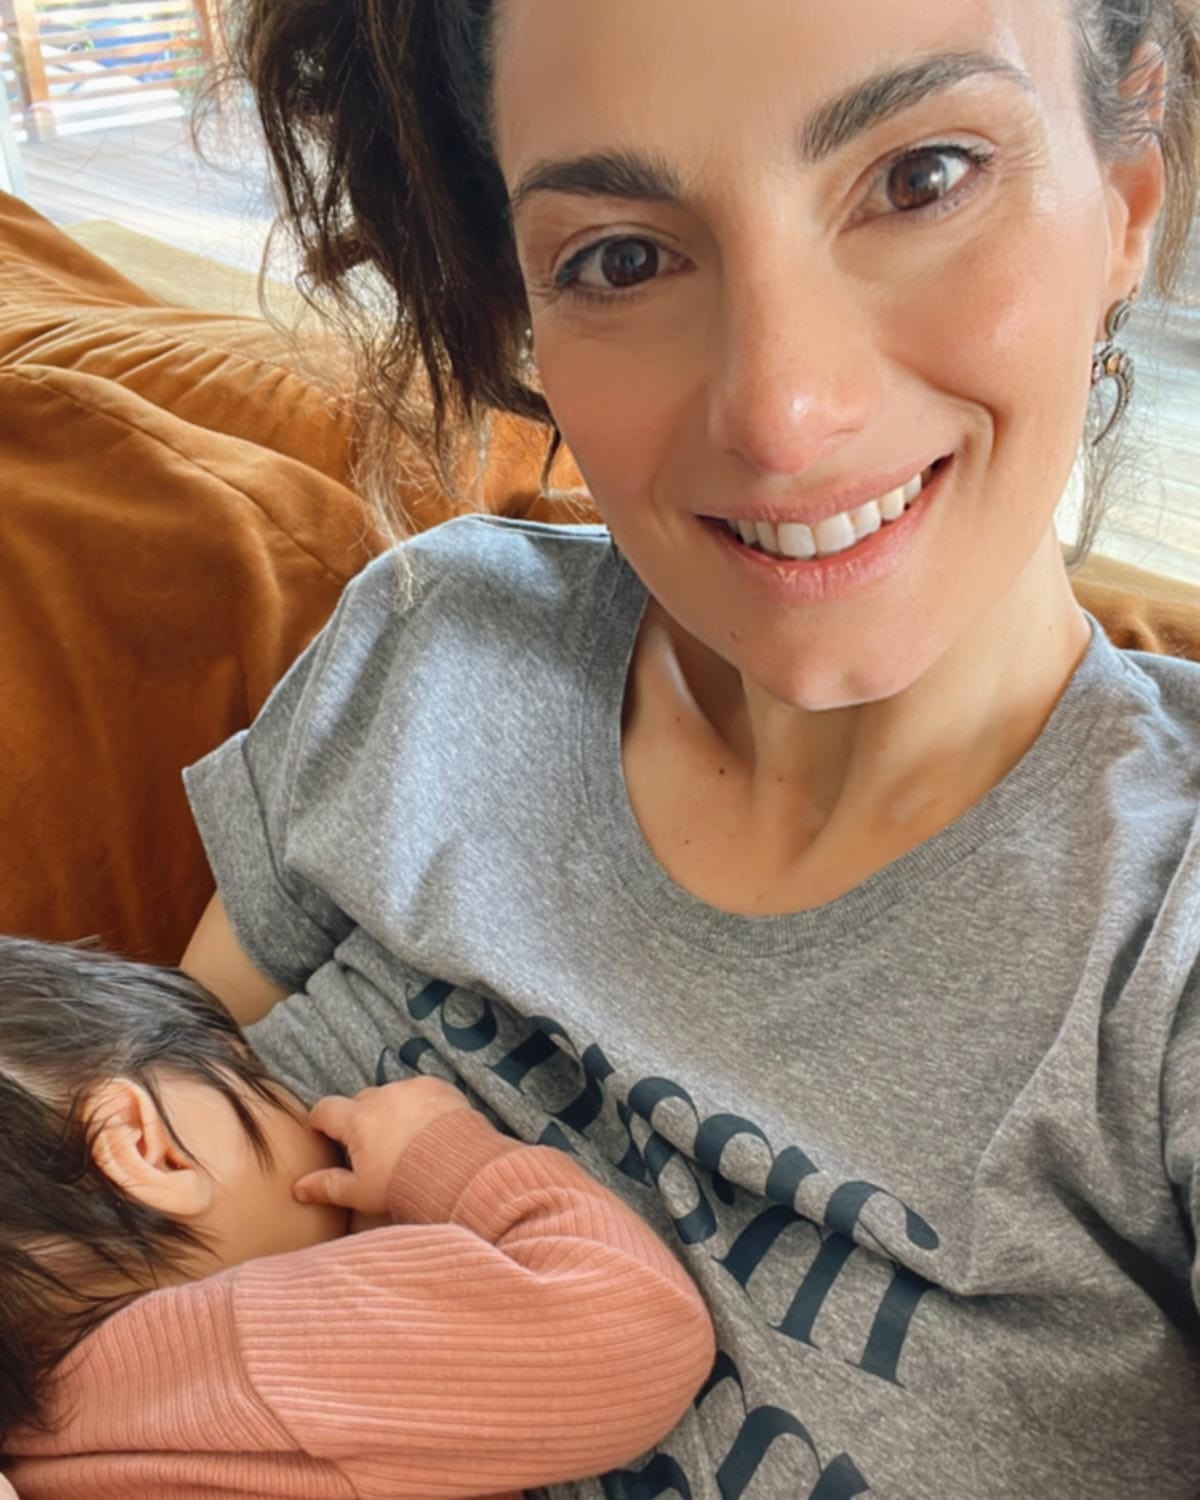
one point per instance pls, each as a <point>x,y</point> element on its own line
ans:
<point>1115,363</point>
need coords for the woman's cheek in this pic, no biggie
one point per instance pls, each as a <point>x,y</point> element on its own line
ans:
<point>999,329</point>
<point>619,404</point>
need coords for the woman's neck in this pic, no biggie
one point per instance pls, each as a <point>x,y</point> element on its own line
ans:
<point>759,806</point>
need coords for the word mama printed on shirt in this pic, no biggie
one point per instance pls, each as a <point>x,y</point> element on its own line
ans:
<point>650,1130</point>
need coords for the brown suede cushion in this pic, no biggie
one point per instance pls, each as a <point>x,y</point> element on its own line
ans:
<point>176,523</point>
<point>62,307</point>
<point>155,580</point>
<point>1141,611</point>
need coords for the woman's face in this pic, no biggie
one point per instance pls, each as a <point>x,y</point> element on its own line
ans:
<point>783,260</point>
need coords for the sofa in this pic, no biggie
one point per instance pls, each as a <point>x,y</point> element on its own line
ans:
<point>177,520</point>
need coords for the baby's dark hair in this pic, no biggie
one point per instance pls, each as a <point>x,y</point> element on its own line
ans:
<point>71,1018</point>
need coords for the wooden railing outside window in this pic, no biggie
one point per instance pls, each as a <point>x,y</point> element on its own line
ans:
<point>71,60</point>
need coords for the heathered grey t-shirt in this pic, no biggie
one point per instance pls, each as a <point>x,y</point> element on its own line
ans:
<point>930,1150</point>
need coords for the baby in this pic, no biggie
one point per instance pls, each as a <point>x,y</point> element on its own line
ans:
<point>184,1313</point>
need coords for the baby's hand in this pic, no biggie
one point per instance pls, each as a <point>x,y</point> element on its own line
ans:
<point>374,1129</point>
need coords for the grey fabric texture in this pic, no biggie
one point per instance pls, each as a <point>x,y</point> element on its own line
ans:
<point>930,1151</point>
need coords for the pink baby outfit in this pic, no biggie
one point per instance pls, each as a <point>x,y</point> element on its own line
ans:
<point>516,1326</point>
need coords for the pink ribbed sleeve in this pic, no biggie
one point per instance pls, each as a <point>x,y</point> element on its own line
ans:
<point>520,1327</point>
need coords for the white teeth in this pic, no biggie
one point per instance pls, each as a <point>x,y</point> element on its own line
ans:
<point>796,540</point>
<point>767,539</point>
<point>891,507</point>
<point>792,539</point>
<point>836,534</point>
<point>867,520</point>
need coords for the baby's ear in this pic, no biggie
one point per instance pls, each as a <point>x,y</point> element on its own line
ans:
<point>137,1153</point>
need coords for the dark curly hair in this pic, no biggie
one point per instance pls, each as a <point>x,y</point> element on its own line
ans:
<point>377,114</point>
<point>71,1018</point>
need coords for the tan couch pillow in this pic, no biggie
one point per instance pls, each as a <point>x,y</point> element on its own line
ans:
<point>156,579</point>
<point>62,307</point>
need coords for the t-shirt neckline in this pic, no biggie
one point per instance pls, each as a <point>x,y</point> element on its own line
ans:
<point>1038,779</point>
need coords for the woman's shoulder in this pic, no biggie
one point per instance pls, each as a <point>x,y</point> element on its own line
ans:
<point>477,589</point>
<point>477,610</point>
<point>489,557</point>
<point>1167,692</point>
<point>1143,765</point>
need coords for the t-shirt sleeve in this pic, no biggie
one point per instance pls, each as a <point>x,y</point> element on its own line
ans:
<point>1181,1115</point>
<point>259,800</point>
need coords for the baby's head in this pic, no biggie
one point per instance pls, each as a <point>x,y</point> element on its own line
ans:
<point>141,1144</point>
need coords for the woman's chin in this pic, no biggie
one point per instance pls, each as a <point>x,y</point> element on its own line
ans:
<point>833,684</point>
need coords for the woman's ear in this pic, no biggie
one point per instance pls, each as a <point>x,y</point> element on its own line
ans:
<point>134,1149</point>
<point>1137,180</point>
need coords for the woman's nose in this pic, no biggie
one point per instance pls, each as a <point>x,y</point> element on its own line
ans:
<point>794,374</point>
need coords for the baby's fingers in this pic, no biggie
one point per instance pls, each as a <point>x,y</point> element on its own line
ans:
<point>332,1116</point>
<point>332,1185</point>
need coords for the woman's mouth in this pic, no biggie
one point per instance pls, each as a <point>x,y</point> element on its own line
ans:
<point>794,541</point>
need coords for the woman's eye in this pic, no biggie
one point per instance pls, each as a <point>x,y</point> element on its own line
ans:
<point>611,267</point>
<point>624,263</point>
<point>925,178</point>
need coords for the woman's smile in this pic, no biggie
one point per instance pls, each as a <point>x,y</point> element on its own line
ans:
<point>821,528</point>
<point>840,555</point>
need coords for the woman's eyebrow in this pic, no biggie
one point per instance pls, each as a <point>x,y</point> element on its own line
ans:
<point>868,104</point>
<point>603,174</point>
<point>633,175</point>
